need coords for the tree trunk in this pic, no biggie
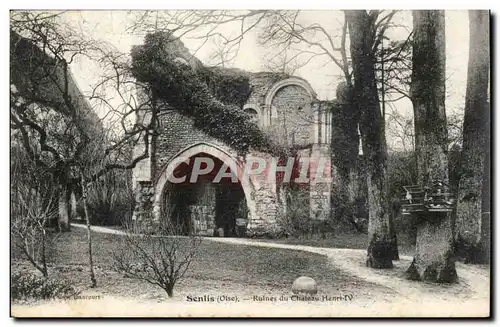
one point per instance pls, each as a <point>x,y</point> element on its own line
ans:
<point>43,253</point>
<point>469,205</point>
<point>394,238</point>
<point>434,259</point>
<point>486,195</point>
<point>344,158</point>
<point>170,290</point>
<point>74,204</point>
<point>89,234</point>
<point>64,207</point>
<point>342,199</point>
<point>362,35</point>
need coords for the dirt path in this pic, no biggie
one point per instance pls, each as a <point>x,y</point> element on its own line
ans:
<point>473,282</point>
<point>470,296</point>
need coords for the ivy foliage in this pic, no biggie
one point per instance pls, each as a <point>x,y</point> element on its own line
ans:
<point>211,97</point>
<point>344,135</point>
<point>26,65</point>
<point>228,85</point>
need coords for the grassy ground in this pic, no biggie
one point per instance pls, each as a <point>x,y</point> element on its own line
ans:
<point>217,267</point>
<point>239,268</point>
<point>342,241</point>
<point>346,240</point>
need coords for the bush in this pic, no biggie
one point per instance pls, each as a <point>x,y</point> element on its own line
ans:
<point>161,259</point>
<point>110,201</point>
<point>295,218</point>
<point>25,286</point>
<point>402,170</point>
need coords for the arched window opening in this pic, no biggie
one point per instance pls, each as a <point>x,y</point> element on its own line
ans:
<point>253,114</point>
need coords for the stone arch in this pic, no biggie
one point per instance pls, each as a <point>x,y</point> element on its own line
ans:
<point>215,151</point>
<point>284,83</point>
<point>251,108</point>
<point>253,113</point>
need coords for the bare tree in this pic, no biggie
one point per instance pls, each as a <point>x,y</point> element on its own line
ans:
<point>281,64</point>
<point>399,128</point>
<point>286,32</point>
<point>46,105</point>
<point>393,69</point>
<point>224,53</point>
<point>58,127</point>
<point>85,187</point>
<point>32,207</point>
<point>200,25</point>
<point>161,259</point>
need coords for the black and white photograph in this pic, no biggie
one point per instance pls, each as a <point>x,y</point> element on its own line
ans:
<point>251,163</point>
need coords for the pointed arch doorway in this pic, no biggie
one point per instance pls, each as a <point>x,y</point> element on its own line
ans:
<point>204,206</point>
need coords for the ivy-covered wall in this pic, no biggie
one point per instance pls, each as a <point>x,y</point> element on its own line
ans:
<point>284,113</point>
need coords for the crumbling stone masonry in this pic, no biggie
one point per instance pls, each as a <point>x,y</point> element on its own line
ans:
<point>285,107</point>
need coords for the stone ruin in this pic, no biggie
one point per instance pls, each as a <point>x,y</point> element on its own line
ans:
<point>285,106</point>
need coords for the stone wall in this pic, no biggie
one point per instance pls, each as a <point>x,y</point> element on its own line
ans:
<point>202,212</point>
<point>177,133</point>
<point>287,109</point>
<point>294,122</point>
<point>261,83</point>
<point>320,182</point>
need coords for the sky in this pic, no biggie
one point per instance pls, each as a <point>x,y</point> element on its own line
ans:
<point>322,74</point>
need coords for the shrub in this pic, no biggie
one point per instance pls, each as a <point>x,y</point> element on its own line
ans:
<point>33,203</point>
<point>161,259</point>
<point>402,170</point>
<point>25,286</point>
<point>295,218</point>
<point>110,200</point>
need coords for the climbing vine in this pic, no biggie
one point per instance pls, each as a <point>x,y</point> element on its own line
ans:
<point>211,97</point>
<point>345,136</point>
<point>228,85</point>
